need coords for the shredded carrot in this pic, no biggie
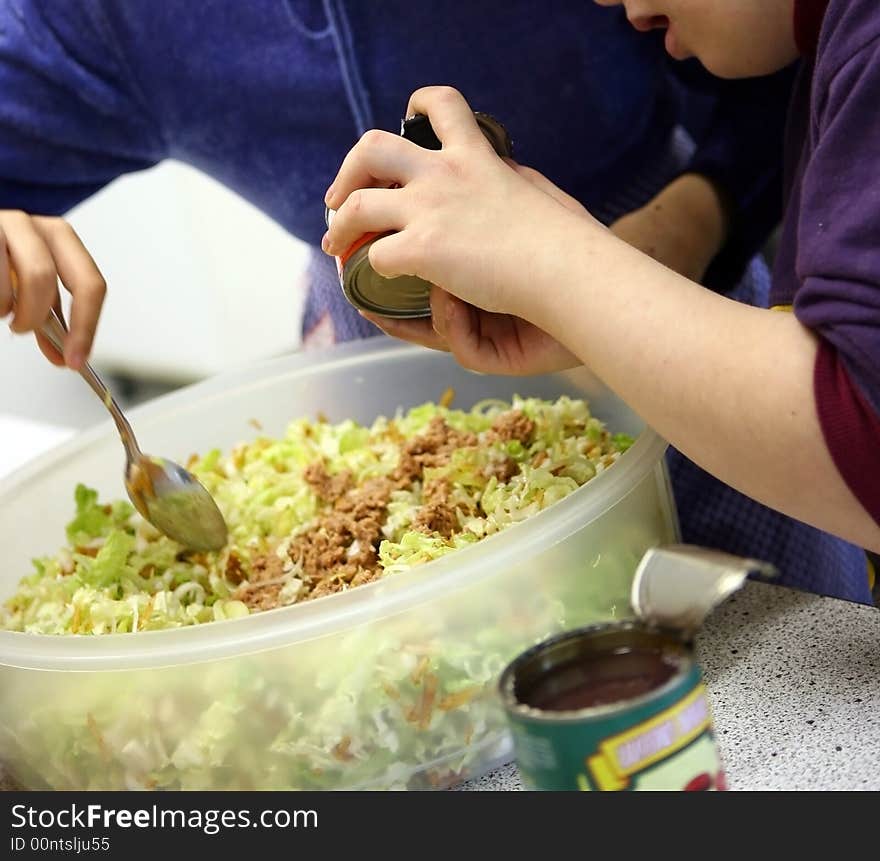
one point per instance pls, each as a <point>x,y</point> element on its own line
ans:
<point>426,704</point>
<point>419,672</point>
<point>389,689</point>
<point>102,745</point>
<point>456,700</point>
<point>145,616</point>
<point>447,397</point>
<point>341,751</point>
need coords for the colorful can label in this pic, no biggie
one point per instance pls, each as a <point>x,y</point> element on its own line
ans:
<point>648,725</point>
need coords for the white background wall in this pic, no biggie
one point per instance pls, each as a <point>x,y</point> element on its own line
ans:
<point>198,281</point>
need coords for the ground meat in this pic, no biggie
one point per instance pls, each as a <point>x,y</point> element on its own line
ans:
<point>266,568</point>
<point>341,547</point>
<point>503,470</point>
<point>343,543</point>
<point>328,487</point>
<point>260,597</point>
<point>365,576</point>
<point>436,517</point>
<point>260,591</point>
<point>328,586</point>
<point>372,496</point>
<point>430,449</point>
<point>514,424</point>
<point>436,491</point>
<point>319,551</point>
<point>234,569</point>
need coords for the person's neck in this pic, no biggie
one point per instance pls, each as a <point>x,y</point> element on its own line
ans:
<point>808,15</point>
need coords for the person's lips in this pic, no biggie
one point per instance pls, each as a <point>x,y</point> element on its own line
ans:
<point>643,23</point>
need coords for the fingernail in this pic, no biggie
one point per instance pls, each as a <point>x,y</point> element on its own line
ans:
<point>75,360</point>
<point>328,196</point>
<point>325,243</point>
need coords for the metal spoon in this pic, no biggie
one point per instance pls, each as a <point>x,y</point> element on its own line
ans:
<point>168,496</point>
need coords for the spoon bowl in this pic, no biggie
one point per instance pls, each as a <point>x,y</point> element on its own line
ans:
<point>176,503</point>
<point>163,492</point>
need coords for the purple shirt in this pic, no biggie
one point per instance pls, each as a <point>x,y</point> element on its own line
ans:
<point>828,263</point>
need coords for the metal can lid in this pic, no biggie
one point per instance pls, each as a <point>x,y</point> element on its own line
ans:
<point>401,298</point>
<point>678,585</point>
<point>419,130</point>
<point>495,133</point>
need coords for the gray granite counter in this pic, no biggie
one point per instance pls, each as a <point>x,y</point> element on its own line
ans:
<point>794,681</point>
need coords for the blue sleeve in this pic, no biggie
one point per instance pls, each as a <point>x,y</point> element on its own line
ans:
<point>739,128</point>
<point>71,118</point>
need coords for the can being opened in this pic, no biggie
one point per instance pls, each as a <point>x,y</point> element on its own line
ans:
<point>404,296</point>
<point>622,705</point>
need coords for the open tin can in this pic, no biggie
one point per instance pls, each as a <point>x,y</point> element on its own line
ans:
<point>622,705</point>
<point>404,296</point>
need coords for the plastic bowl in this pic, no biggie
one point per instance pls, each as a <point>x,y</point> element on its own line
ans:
<point>390,685</point>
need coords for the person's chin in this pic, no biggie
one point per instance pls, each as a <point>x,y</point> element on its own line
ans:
<point>727,67</point>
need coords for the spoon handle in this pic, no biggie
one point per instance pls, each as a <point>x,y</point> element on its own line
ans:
<point>55,329</point>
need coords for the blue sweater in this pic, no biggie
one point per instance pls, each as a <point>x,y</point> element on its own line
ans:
<point>267,97</point>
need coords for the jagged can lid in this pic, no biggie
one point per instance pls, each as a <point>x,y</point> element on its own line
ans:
<point>678,585</point>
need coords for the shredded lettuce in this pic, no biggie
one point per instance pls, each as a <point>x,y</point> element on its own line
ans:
<point>405,703</point>
<point>118,574</point>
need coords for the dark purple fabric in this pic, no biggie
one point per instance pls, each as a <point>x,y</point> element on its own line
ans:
<point>851,427</point>
<point>828,263</point>
<point>808,15</point>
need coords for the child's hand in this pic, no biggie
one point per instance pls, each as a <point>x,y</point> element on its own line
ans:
<point>35,252</point>
<point>683,227</point>
<point>481,340</point>
<point>463,219</point>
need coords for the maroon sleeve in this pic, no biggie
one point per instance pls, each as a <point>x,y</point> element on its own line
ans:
<point>851,428</point>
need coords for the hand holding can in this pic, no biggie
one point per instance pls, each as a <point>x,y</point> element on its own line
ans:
<point>405,296</point>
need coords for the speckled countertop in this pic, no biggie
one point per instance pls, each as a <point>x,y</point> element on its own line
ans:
<point>794,681</point>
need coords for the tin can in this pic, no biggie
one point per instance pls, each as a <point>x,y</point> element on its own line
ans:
<point>622,705</point>
<point>404,296</point>
<point>611,707</point>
